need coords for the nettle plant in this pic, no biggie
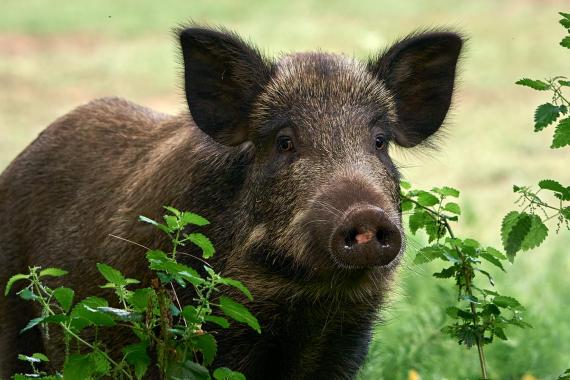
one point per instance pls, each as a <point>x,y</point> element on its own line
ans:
<point>526,229</point>
<point>481,314</point>
<point>172,333</point>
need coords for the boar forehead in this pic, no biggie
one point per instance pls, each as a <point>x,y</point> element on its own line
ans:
<point>321,92</point>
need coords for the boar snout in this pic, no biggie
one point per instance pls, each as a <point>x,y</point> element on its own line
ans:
<point>365,237</point>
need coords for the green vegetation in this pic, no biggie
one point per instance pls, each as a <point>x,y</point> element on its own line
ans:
<point>160,325</point>
<point>56,55</point>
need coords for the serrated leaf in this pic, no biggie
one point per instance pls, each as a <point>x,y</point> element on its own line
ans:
<point>204,243</point>
<point>536,234</point>
<point>446,273</point>
<point>64,297</point>
<point>565,212</point>
<point>195,219</point>
<point>417,220</point>
<point>147,220</point>
<point>405,184</point>
<point>406,205</point>
<point>139,298</point>
<point>53,272</point>
<point>78,367</point>
<point>224,373</point>
<point>220,321</point>
<point>13,280</point>
<point>238,285</point>
<point>159,261</point>
<point>121,314</point>
<point>545,115</point>
<point>500,333</point>
<point>206,343</point>
<point>492,259</point>
<point>111,274</point>
<point>239,312</point>
<point>427,199</point>
<point>188,370</point>
<point>137,356</point>
<point>40,356</point>
<point>32,323</point>
<point>453,208</point>
<point>561,134</point>
<point>565,42</point>
<point>550,184</point>
<point>514,229</point>
<point>85,314</point>
<point>430,253</point>
<point>173,210</point>
<point>565,83</point>
<point>534,84</point>
<point>446,191</point>
<point>496,253</point>
<point>507,302</point>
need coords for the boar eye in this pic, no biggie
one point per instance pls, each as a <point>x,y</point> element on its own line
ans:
<point>380,142</point>
<point>284,144</point>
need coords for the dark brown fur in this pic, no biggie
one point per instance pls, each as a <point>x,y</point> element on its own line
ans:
<point>93,171</point>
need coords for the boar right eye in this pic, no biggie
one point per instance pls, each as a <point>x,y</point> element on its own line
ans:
<point>285,144</point>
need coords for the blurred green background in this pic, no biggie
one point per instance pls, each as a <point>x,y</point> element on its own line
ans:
<point>55,55</point>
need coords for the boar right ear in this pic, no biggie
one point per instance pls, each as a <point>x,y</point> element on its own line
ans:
<point>419,71</point>
<point>223,76</point>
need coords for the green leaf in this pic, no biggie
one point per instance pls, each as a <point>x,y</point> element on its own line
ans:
<point>224,373</point>
<point>507,302</point>
<point>78,367</point>
<point>64,297</point>
<point>139,298</point>
<point>545,115</point>
<point>536,234</point>
<point>85,314</point>
<point>500,333</point>
<point>203,242</point>
<point>492,259</point>
<point>187,370</point>
<point>27,294</point>
<point>417,221</point>
<point>498,254</point>
<point>565,42</point>
<point>195,219</point>
<point>239,313</point>
<point>565,212</point>
<point>565,83</point>
<point>148,220</point>
<point>238,285</point>
<point>562,134</point>
<point>159,261</point>
<point>405,184</point>
<point>514,229</point>
<point>111,274</point>
<point>552,185</point>
<point>453,208</point>
<point>137,356</point>
<point>40,356</point>
<point>120,314</point>
<point>406,205</point>
<point>446,273</point>
<point>53,272</point>
<point>534,84</point>
<point>32,323</point>
<point>430,253</point>
<point>173,210</point>
<point>446,191</point>
<point>220,321</point>
<point>427,199</point>
<point>13,279</point>
<point>206,343</point>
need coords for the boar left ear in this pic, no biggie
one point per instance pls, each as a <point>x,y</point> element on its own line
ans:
<point>419,71</point>
<point>223,76</point>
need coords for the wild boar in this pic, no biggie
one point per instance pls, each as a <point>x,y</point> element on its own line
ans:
<point>288,159</point>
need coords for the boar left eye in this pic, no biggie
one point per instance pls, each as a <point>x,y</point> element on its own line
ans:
<point>380,142</point>
<point>285,144</point>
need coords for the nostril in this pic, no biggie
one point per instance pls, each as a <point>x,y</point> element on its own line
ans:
<point>383,238</point>
<point>350,238</point>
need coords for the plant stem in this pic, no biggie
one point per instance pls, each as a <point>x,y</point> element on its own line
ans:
<point>442,219</point>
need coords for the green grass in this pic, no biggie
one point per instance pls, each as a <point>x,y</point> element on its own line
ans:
<point>55,55</point>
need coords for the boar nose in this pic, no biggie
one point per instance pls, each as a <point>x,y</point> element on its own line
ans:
<point>366,237</point>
